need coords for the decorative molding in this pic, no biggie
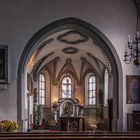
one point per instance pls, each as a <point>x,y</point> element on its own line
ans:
<point>63,37</point>
<point>38,50</point>
<point>67,68</point>
<point>53,65</point>
<point>100,63</point>
<point>54,70</point>
<point>29,84</point>
<point>86,68</point>
<point>42,46</point>
<point>95,42</point>
<point>70,50</point>
<point>38,64</point>
<point>107,61</point>
<point>43,70</point>
<point>66,23</point>
<point>48,41</point>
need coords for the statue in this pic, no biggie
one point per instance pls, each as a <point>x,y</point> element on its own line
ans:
<point>100,97</point>
<point>55,110</point>
<point>35,95</point>
<point>43,124</point>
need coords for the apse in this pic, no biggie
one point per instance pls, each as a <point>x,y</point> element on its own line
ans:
<point>69,84</point>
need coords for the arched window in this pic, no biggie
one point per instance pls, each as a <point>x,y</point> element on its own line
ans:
<point>92,90</point>
<point>105,87</point>
<point>66,91</point>
<point>42,83</point>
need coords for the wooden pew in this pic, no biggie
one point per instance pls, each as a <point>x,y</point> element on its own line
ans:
<point>70,135</point>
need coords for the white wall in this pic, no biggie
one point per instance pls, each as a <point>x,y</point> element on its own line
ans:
<point>20,19</point>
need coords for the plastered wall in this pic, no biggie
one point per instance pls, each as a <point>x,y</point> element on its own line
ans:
<point>21,19</point>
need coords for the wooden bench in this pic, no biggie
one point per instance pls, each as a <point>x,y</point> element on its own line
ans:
<point>70,135</point>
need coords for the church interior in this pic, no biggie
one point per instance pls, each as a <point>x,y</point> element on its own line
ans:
<point>70,68</point>
<point>66,79</point>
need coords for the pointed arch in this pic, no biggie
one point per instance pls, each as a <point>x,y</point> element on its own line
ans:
<point>42,89</point>
<point>68,68</point>
<point>90,31</point>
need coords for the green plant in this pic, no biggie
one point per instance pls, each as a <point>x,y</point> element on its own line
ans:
<point>91,122</point>
<point>94,122</point>
<point>38,114</point>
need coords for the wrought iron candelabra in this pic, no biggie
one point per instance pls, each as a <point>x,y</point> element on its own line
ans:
<point>132,49</point>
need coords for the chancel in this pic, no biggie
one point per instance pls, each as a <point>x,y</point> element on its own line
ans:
<point>62,69</point>
<point>64,92</point>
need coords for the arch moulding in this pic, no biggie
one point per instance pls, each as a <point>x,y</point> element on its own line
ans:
<point>90,31</point>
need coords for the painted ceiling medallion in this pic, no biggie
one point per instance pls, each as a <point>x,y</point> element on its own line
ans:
<point>70,50</point>
<point>72,37</point>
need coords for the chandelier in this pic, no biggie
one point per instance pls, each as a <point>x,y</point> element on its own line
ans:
<point>132,49</point>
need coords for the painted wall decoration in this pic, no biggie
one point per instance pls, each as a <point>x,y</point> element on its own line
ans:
<point>72,37</point>
<point>133,89</point>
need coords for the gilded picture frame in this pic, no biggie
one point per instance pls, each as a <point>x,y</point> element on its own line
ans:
<point>133,89</point>
<point>3,64</point>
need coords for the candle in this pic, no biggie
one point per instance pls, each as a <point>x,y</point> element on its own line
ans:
<point>129,38</point>
<point>131,42</point>
<point>137,35</point>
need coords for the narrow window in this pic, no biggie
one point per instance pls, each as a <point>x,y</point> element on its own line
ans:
<point>66,87</point>
<point>92,90</point>
<point>105,87</point>
<point>42,83</point>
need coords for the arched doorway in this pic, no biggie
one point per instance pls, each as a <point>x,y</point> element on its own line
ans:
<point>89,30</point>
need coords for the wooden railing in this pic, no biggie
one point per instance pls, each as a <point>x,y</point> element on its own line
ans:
<point>70,135</point>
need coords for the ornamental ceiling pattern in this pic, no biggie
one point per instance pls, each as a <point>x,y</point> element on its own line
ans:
<point>74,45</point>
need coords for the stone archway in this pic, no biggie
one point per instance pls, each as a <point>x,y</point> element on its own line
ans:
<point>92,32</point>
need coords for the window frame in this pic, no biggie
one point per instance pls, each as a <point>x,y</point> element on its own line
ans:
<point>69,91</point>
<point>41,98</point>
<point>106,97</point>
<point>61,92</point>
<point>95,85</point>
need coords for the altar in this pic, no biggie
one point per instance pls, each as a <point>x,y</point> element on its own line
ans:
<point>70,116</point>
<point>72,123</point>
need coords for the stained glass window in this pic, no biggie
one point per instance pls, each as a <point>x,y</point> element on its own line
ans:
<point>92,90</point>
<point>105,87</point>
<point>42,83</point>
<point>66,87</point>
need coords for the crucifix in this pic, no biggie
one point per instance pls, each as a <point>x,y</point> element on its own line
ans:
<point>67,84</point>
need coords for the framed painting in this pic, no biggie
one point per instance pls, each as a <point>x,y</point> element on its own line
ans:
<point>3,64</point>
<point>133,89</point>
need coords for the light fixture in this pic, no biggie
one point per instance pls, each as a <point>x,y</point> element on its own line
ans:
<point>132,48</point>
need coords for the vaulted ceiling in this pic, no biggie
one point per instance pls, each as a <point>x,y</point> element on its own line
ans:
<point>73,47</point>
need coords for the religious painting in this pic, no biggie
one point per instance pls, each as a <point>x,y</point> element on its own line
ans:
<point>3,64</point>
<point>133,89</point>
<point>68,108</point>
